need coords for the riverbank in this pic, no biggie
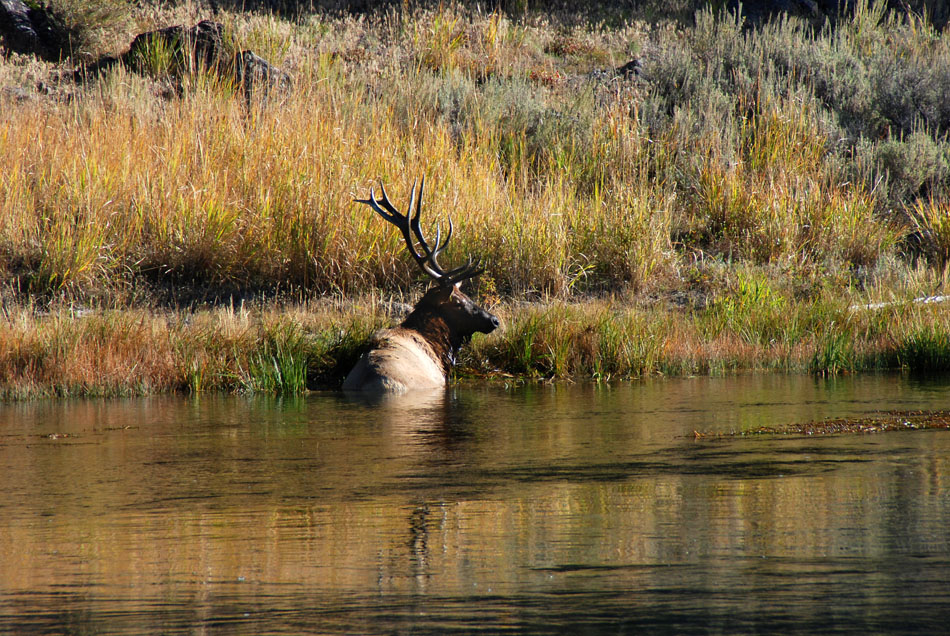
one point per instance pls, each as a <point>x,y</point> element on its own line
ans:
<point>289,349</point>
<point>651,196</point>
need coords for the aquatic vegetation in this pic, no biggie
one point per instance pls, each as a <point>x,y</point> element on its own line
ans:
<point>925,349</point>
<point>881,423</point>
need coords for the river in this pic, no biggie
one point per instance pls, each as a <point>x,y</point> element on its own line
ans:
<point>563,509</point>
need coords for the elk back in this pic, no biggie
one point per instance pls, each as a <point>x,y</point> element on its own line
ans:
<point>400,360</point>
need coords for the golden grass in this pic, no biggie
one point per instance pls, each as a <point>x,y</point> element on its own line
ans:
<point>122,185</point>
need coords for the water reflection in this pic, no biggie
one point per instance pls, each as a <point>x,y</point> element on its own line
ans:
<point>537,509</point>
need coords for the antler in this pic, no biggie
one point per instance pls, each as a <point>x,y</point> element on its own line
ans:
<point>409,225</point>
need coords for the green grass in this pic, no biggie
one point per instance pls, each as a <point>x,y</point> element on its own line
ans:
<point>926,349</point>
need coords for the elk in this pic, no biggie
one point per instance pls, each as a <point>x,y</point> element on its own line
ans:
<point>419,353</point>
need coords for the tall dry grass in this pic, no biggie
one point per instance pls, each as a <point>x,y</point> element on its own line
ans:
<point>565,183</point>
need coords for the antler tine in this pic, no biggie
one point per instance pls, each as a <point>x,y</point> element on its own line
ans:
<point>394,215</point>
<point>391,214</point>
<point>431,254</point>
<point>371,202</point>
<point>461,268</point>
<point>439,243</point>
<point>448,237</point>
<point>415,213</point>
<point>401,221</point>
<point>411,228</point>
<point>427,260</point>
<point>411,223</point>
<point>470,269</point>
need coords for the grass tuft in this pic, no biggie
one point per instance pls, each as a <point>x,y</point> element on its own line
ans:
<point>925,350</point>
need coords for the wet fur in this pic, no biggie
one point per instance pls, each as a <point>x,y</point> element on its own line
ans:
<point>400,360</point>
<point>419,353</point>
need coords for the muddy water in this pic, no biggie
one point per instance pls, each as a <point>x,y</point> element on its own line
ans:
<point>568,509</point>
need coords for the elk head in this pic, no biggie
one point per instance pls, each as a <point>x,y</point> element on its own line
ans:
<point>444,302</point>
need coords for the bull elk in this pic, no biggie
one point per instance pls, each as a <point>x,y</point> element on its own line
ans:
<point>419,353</point>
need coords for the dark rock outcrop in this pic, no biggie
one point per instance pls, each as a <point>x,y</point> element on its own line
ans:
<point>176,51</point>
<point>254,73</point>
<point>633,68</point>
<point>32,31</point>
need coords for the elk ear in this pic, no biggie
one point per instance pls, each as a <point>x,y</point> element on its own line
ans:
<point>445,292</point>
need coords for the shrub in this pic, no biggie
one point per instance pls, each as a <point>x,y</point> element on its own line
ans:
<point>909,169</point>
<point>931,221</point>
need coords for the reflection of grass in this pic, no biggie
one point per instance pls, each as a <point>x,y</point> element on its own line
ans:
<point>285,351</point>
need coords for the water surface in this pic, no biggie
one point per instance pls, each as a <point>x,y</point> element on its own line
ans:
<point>551,509</point>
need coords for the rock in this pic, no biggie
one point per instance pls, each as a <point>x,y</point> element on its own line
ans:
<point>201,46</point>
<point>16,27</point>
<point>633,68</point>
<point>177,51</point>
<point>252,72</point>
<point>34,31</point>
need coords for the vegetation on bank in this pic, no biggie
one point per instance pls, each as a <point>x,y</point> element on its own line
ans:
<point>289,349</point>
<point>670,198</point>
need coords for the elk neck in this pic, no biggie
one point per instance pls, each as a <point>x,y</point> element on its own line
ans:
<point>437,332</point>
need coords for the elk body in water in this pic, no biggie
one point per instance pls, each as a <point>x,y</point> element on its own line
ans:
<point>419,353</point>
